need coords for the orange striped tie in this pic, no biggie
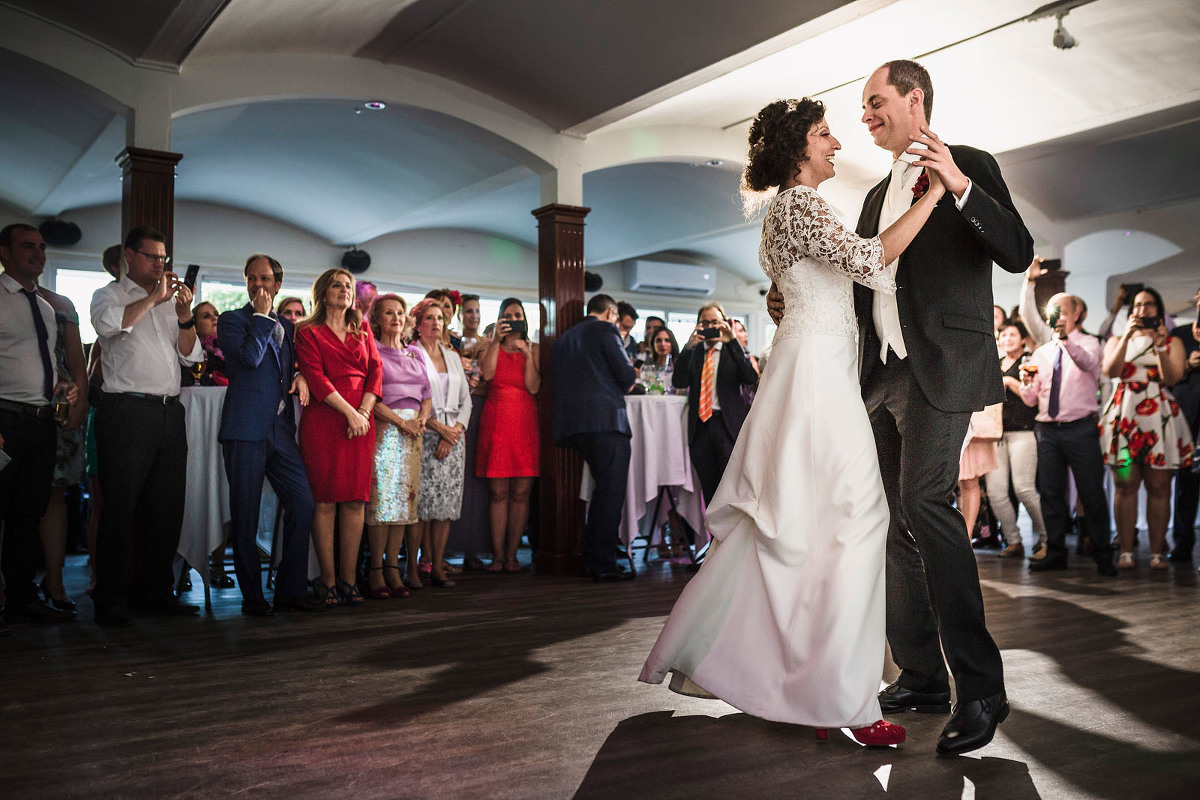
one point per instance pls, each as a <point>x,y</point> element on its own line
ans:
<point>706,384</point>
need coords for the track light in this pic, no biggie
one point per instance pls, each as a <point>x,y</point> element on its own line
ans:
<point>1062,39</point>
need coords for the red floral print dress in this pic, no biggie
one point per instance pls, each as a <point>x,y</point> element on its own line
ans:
<point>1141,423</point>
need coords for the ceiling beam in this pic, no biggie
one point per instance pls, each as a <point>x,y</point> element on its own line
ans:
<point>182,30</point>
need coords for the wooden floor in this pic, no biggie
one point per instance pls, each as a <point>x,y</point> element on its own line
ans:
<point>524,687</point>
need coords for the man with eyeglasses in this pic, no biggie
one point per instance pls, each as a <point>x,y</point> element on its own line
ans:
<point>144,322</point>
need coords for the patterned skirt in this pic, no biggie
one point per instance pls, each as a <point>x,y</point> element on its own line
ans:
<point>441,491</point>
<point>1142,425</point>
<point>397,474</point>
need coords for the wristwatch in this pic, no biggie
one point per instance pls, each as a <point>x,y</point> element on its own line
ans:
<point>183,326</point>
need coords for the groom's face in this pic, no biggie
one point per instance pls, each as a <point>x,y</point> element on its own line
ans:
<point>889,115</point>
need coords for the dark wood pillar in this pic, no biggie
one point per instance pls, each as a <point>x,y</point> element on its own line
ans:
<point>1049,284</point>
<point>148,190</point>
<point>560,289</point>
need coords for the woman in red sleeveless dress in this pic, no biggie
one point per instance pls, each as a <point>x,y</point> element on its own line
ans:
<point>508,432</point>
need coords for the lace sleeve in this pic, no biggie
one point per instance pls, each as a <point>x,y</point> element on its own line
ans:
<point>802,224</point>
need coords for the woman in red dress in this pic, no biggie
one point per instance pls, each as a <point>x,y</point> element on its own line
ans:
<point>337,356</point>
<point>508,432</point>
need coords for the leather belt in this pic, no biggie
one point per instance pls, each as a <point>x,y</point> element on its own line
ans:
<point>27,409</point>
<point>160,399</point>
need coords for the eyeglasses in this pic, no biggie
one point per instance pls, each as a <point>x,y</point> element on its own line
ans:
<point>155,257</point>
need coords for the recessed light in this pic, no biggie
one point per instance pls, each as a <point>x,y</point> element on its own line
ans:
<point>716,162</point>
<point>375,105</point>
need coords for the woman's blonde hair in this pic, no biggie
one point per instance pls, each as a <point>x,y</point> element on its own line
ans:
<point>320,287</point>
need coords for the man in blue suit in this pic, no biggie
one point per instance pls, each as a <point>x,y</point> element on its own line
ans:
<point>589,375</point>
<point>258,439</point>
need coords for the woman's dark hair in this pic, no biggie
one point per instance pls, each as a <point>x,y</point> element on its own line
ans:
<point>1162,311</point>
<point>511,301</point>
<point>779,142</point>
<point>1015,323</point>
<point>654,340</point>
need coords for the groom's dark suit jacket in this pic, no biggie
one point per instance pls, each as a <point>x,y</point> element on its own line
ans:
<point>944,287</point>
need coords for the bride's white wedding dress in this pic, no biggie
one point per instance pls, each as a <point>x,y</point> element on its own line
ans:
<point>785,620</point>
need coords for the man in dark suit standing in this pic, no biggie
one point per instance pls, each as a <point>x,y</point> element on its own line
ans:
<point>258,439</point>
<point>589,375</point>
<point>927,360</point>
<point>713,372</point>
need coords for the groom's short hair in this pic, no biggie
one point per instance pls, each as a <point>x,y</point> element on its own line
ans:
<point>908,75</point>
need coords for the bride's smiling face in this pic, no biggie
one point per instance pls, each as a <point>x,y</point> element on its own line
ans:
<point>818,166</point>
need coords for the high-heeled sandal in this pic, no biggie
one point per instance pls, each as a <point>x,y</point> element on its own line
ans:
<point>62,605</point>
<point>1157,561</point>
<point>401,590</point>
<point>383,592</point>
<point>326,594</point>
<point>877,734</point>
<point>348,594</point>
<point>1125,561</point>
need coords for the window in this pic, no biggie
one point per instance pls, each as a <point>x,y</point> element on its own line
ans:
<point>79,285</point>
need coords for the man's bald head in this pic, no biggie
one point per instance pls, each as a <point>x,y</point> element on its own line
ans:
<point>1071,311</point>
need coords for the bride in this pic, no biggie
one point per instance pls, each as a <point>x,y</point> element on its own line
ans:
<point>786,619</point>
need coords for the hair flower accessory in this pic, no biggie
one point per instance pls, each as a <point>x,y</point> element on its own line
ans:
<point>921,186</point>
<point>456,298</point>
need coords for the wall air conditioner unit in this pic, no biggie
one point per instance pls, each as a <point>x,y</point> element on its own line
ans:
<point>661,277</point>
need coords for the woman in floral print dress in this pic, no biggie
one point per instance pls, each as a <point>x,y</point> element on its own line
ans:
<point>1143,435</point>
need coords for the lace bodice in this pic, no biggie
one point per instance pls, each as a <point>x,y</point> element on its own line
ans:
<point>813,259</point>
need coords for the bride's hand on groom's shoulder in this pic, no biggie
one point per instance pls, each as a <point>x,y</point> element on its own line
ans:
<point>935,156</point>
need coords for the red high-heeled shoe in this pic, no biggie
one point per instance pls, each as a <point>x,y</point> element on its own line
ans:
<point>878,734</point>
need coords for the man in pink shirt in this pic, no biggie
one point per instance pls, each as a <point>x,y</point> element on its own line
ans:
<point>1062,379</point>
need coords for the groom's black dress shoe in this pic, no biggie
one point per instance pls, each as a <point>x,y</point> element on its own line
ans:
<point>973,725</point>
<point>1047,564</point>
<point>895,699</point>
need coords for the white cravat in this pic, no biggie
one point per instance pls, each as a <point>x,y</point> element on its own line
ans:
<point>883,306</point>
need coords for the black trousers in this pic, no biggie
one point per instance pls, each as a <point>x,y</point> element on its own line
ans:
<point>1187,499</point>
<point>711,447</point>
<point>934,603</point>
<point>607,456</point>
<point>1074,446</point>
<point>142,449</point>
<point>278,460</point>
<point>24,496</point>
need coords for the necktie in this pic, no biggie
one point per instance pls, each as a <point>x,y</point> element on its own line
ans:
<point>706,384</point>
<point>884,306</point>
<point>277,333</point>
<point>1055,384</point>
<point>39,325</point>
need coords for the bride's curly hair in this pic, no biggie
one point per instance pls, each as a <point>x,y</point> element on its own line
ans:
<point>778,144</point>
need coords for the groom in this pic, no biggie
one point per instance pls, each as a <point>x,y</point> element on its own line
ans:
<point>927,360</point>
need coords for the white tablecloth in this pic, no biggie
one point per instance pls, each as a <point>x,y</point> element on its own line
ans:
<point>658,457</point>
<point>206,502</point>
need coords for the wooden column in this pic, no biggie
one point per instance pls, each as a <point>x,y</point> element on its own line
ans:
<point>1049,284</point>
<point>560,289</point>
<point>148,190</point>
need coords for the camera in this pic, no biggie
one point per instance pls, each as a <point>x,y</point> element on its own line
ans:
<point>1148,323</point>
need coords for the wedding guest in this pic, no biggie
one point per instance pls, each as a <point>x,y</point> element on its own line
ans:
<point>470,533</point>
<point>212,371</point>
<point>29,384</point>
<point>1016,452</point>
<point>999,317</point>
<point>258,441</point>
<point>743,336</point>
<point>400,416</point>
<point>1064,389</point>
<point>339,360</point>
<point>439,501</point>
<point>1143,435</point>
<point>714,375</point>
<point>977,459</point>
<point>508,432</point>
<point>68,463</point>
<point>626,318</point>
<point>664,348</point>
<point>145,326</point>
<point>589,375</point>
<point>651,324</point>
<point>1187,481</point>
<point>291,309</point>
<point>449,300</point>
<point>364,295</point>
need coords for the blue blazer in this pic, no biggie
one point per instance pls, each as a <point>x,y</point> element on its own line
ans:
<point>589,374</point>
<point>260,375</point>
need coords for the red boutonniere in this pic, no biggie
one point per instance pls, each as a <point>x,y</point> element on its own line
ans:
<point>921,186</point>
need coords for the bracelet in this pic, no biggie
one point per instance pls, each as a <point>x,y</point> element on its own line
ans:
<point>1166,348</point>
<point>183,326</point>
<point>364,413</point>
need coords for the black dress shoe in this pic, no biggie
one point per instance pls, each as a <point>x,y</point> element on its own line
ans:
<point>973,725</point>
<point>1106,568</point>
<point>113,617</point>
<point>614,577</point>
<point>221,580</point>
<point>36,610</point>
<point>167,606</point>
<point>1047,565</point>
<point>1182,559</point>
<point>299,603</point>
<point>257,608</point>
<point>895,699</point>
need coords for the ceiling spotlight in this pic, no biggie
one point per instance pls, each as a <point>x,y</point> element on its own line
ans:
<point>1062,39</point>
<point>376,105</point>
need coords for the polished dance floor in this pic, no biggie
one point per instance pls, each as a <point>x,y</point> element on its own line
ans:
<point>518,686</point>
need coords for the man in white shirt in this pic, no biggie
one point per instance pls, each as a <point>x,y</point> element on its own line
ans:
<point>29,386</point>
<point>145,326</point>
